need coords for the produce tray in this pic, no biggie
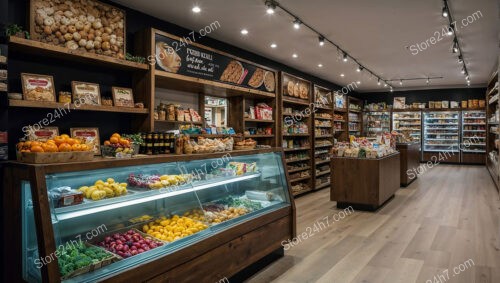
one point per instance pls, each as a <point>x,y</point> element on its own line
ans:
<point>89,268</point>
<point>54,157</point>
<point>121,231</point>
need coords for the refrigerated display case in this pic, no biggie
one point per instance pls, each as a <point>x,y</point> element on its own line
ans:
<point>408,122</point>
<point>441,136</point>
<point>376,123</point>
<point>169,212</point>
<point>473,137</point>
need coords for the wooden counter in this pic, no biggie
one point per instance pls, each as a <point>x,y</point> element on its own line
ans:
<point>409,161</point>
<point>364,183</point>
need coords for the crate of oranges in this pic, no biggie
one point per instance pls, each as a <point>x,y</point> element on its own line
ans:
<point>59,149</point>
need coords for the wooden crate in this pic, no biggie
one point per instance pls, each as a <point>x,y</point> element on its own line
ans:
<point>54,157</point>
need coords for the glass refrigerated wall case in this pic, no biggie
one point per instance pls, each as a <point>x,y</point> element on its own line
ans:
<point>377,123</point>
<point>441,134</point>
<point>216,194</point>
<point>474,131</point>
<point>410,122</point>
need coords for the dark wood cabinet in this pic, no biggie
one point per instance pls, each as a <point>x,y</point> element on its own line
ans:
<point>409,162</point>
<point>363,183</point>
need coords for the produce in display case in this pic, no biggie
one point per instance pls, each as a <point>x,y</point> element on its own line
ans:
<point>441,134</point>
<point>376,123</point>
<point>145,212</point>
<point>473,136</point>
<point>408,123</point>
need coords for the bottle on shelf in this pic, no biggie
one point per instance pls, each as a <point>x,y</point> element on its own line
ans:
<point>149,144</point>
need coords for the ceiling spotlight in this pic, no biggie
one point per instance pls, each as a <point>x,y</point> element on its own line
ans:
<point>400,82</point>
<point>428,81</point>
<point>342,75</point>
<point>462,71</point>
<point>445,12</point>
<point>294,55</point>
<point>455,47</point>
<point>244,31</point>
<point>273,45</point>
<point>196,9</point>
<point>391,89</point>
<point>321,40</point>
<point>359,69</point>
<point>468,83</point>
<point>296,24</point>
<point>271,6</point>
<point>344,57</point>
<point>467,77</point>
<point>460,59</point>
<point>450,30</point>
<point>320,65</point>
<point>378,81</point>
<point>385,84</point>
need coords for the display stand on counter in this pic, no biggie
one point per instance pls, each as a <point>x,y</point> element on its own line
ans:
<point>323,136</point>
<point>296,135</point>
<point>355,116</point>
<point>364,183</point>
<point>409,162</point>
<point>493,131</point>
<point>154,219</point>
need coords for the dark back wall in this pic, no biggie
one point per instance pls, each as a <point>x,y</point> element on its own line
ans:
<point>412,96</point>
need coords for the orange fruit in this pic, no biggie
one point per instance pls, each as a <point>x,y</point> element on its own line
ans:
<point>114,140</point>
<point>71,141</point>
<point>25,150</point>
<point>65,136</point>
<point>27,144</point>
<point>116,135</point>
<point>35,143</point>
<point>76,147</point>
<point>52,147</point>
<point>51,141</point>
<point>36,148</point>
<point>59,140</point>
<point>64,147</point>
<point>125,142</point>
<point>84,147</point>
<point>20,145</point>
<point>107,142</point>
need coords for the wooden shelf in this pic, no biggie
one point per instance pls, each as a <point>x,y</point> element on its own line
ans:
<point>322,186</point>
<point>296,149</point>
<point>299,169</point>
<point>354,110</point>
<point>258,120</point>
<point>72,107</point>
<point>323,137</point>
<point>321,162</point>
<point>178,122</point>
<point>301,192</point>
<point>323,118</point>
<point>195,85</point>
<point>343,110</point>
<point>295,101</point>
<point>323,173</point>
<point>296,135</point>
<point>296,160</point>
<point>300,115</point>
<point>210,135</point>
<point>300,179</point>
<point>321,146</point>
<point>43,49</point>
<point>259,136</point>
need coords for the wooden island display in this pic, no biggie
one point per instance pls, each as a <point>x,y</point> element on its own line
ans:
<point>409,162</point>
<point>363,183</point>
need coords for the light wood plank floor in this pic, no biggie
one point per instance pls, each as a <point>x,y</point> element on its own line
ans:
<point>449,215</point>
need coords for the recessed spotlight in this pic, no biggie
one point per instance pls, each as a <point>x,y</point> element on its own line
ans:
<point>385,84</point>
<point>342,75</point>
<point>196,9</point>
<point>273,45</point>
<point>294,55</point>
<point>244,31</point>
<point>320,65</point>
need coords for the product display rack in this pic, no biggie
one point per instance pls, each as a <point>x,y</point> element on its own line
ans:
<point>42,225</point>
<point>408,121</point>
<point>340,121</point>
<point>355,116</point>
<point>492,129</point>
<point>376,123</point>
<point>297,116</point>
<point>441,136</point>
<point>473,145</point>
<point>323,136</point>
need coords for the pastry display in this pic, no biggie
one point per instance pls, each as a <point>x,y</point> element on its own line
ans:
<point>289,87</point>
<point>234,73</point>
<point>303,91</point>
<point>257,78</point>
<point>269,81</point>
<point>85,25</point>
<point>296,90</point>
<point>245,144</point>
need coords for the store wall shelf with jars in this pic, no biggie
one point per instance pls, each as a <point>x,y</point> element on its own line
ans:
<point>133,220</point>
<point>297,131</point>
<point>324,138</point>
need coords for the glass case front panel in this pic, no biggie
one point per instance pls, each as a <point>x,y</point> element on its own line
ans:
<point>474,131</point>
<point>407,123</point>
<point>106,221</point>
<point>376,123</point>
<point>441,131</point>
<point>32,262</point>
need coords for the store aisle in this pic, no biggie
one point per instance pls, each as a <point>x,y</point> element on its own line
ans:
<point>448,219</point>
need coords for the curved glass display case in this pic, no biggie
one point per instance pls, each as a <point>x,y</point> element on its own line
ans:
<point>106,221</point>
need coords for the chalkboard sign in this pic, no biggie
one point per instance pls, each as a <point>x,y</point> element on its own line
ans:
<point>177,56</point>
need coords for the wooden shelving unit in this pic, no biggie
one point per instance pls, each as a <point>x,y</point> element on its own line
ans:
<point>340,120</point>
<point>323,134</point>
<point>355,116</point>
<point>492,131</point>
<point>294,113</point>
<point>73,107</point>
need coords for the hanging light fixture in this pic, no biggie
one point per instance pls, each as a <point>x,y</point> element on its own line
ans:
<point>400,82</point>
<point>296,24</point>
<point>378,82</point>
<point>321,40</point>
<point>460,59</point>
<point>359,69</point>
<point>344,57</point>
<point>271,6</point>
<point>428,81</point>
<point>455,47</point>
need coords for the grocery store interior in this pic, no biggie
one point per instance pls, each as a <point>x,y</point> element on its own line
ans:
<point>250,141</point>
